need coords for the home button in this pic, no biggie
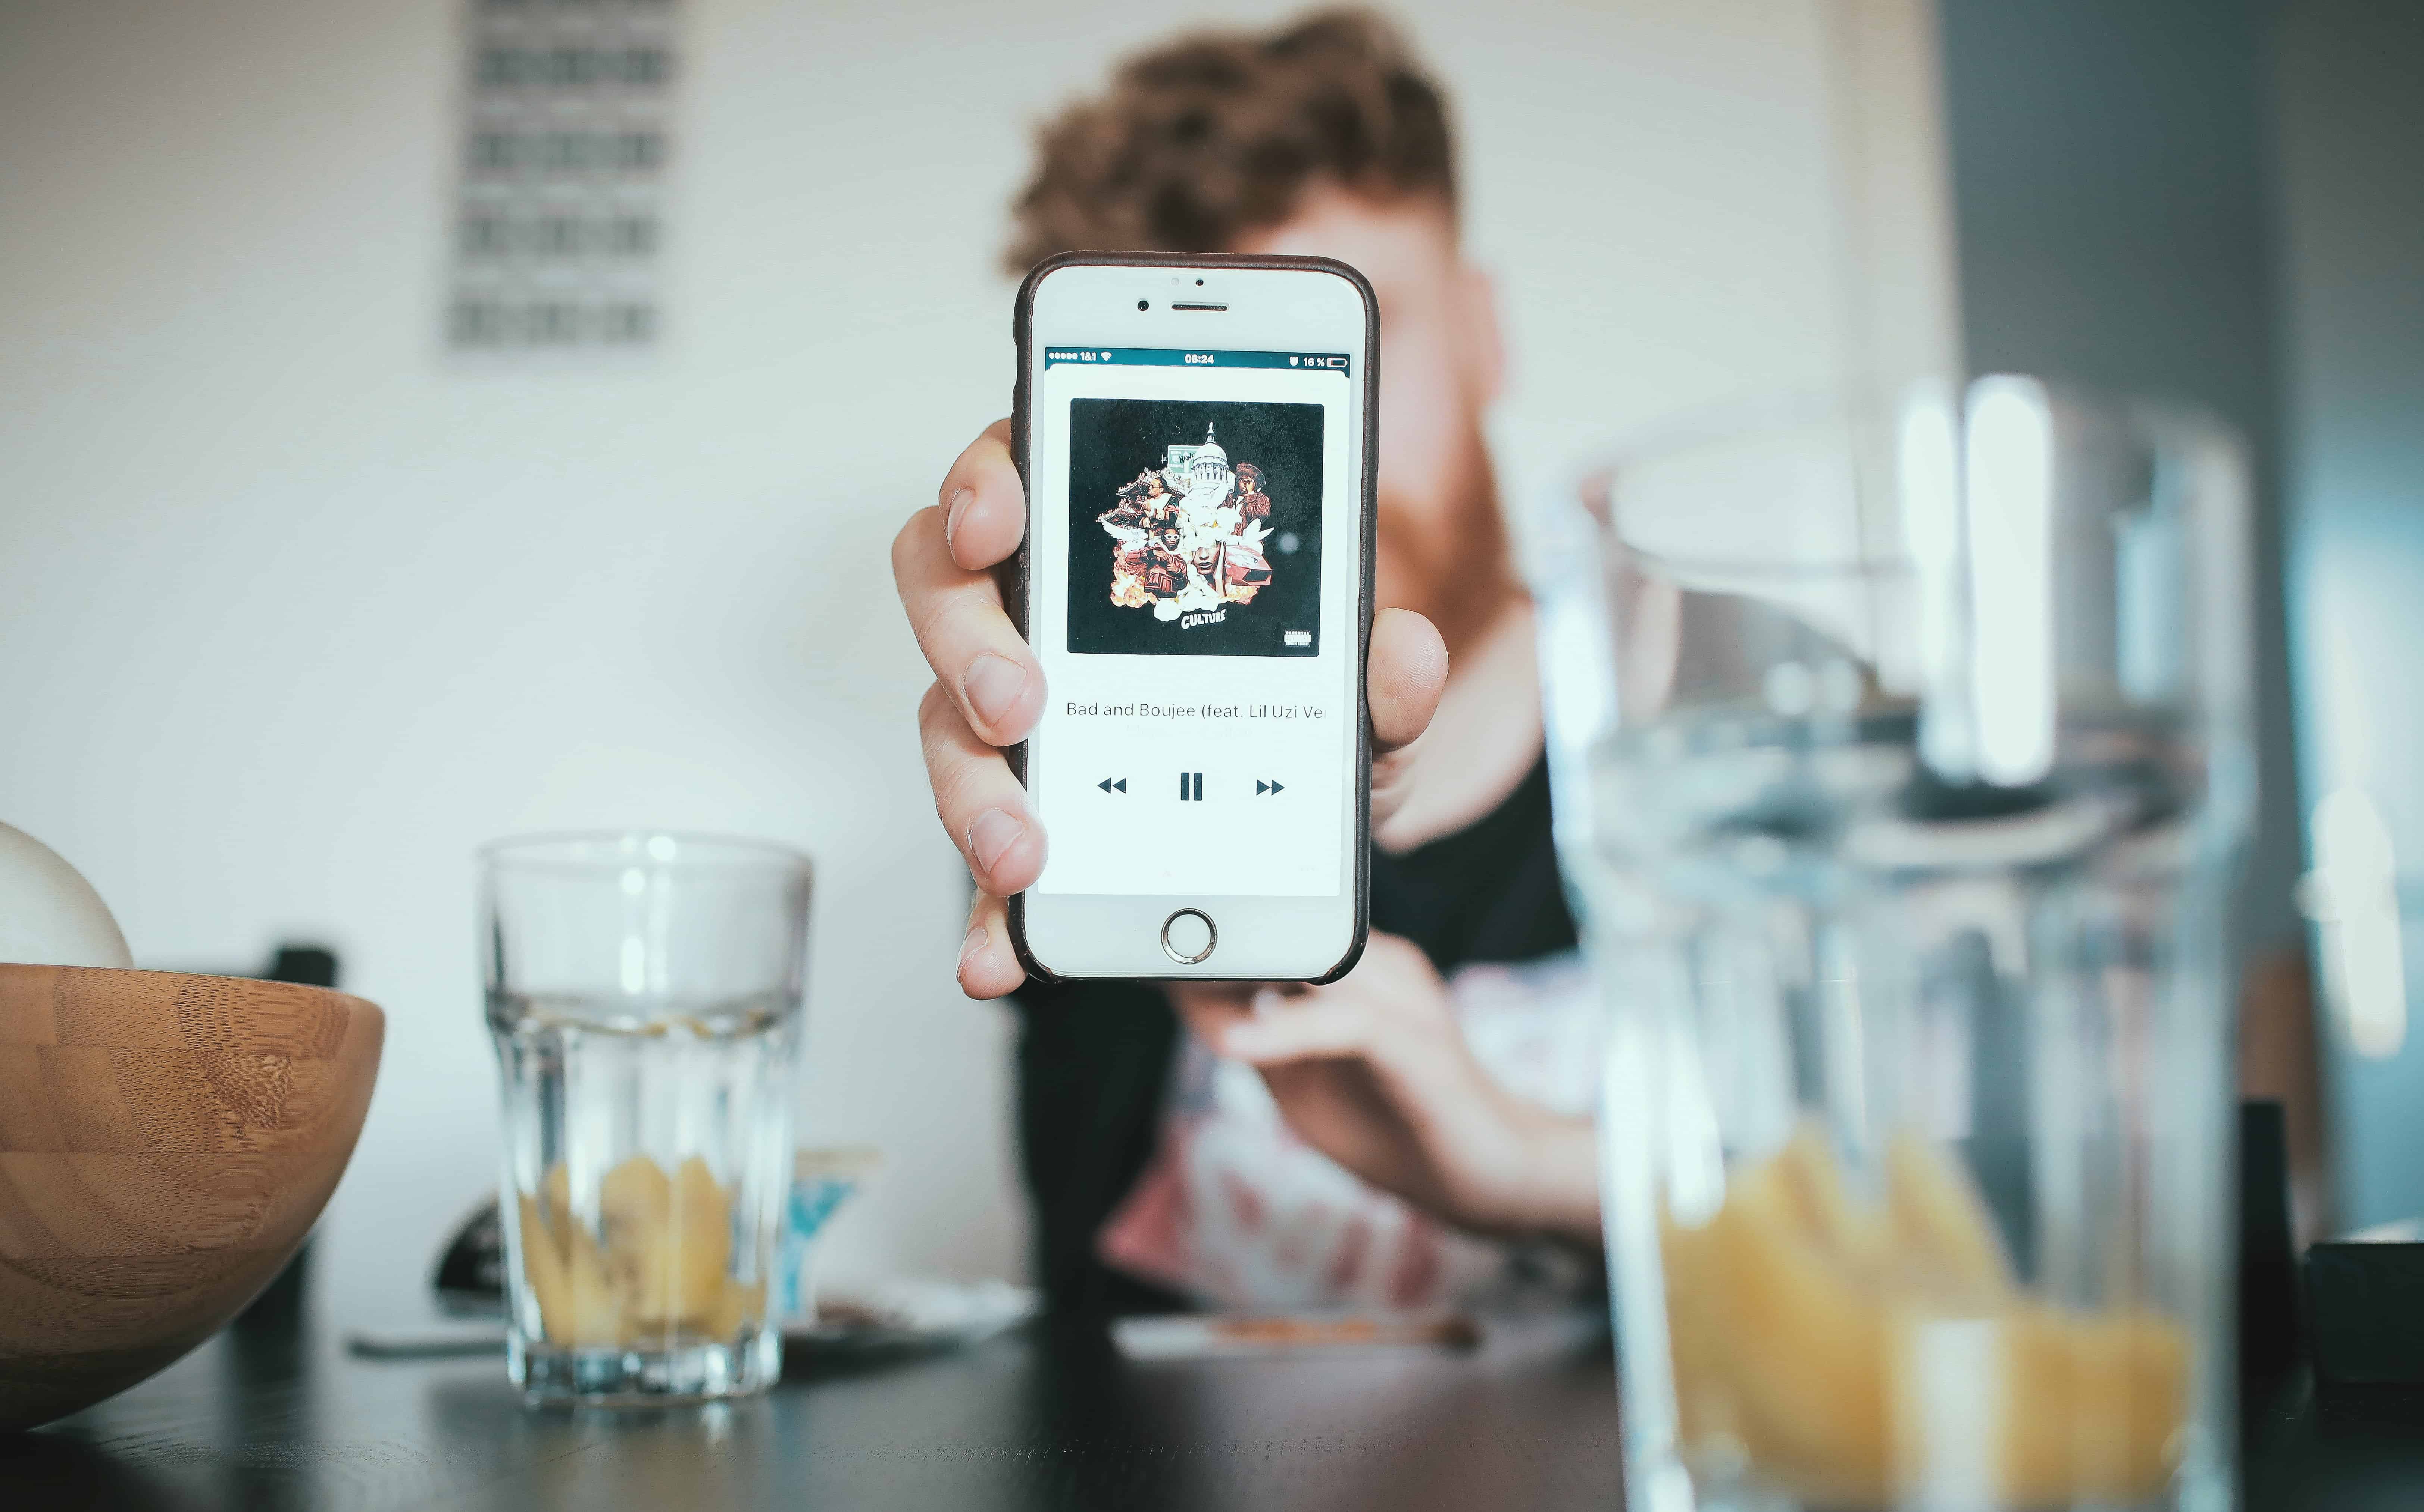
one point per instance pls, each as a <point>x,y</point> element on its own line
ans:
<point>1188,937</point>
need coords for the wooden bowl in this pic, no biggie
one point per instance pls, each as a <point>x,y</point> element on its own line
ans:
<point>166,1142</point>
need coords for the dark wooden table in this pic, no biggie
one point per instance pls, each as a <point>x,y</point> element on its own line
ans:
<point>270,1418</point>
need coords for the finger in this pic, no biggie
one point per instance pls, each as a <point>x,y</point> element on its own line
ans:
<point>1207,1010</point>
<point>1398,979</point>
<point>981,804</point>
<point>1208,1019</point>
<point>1406,673</point>
<point>956,614</point>
<point>988,966</point>
<point>984,503</point>
<point>1315,1030</point>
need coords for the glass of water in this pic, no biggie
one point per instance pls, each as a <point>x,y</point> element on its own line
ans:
<point>1901,765</point>
<point>643,997</point>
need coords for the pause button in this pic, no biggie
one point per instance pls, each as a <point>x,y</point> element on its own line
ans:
<point>1191,786</point>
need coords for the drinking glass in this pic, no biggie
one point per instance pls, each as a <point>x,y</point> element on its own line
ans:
<point>643,997</point>
<point>1902,763</point>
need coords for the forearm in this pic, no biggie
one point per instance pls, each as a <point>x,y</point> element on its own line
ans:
<point>1540,1179</point>
<point>1557,1192</point>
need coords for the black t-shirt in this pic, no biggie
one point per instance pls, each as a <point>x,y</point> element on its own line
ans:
<point>1094,1058</point>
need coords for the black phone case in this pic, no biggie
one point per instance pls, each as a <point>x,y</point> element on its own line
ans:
<point>1014,580</point>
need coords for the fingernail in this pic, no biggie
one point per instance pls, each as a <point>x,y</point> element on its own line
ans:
<point>969,947</point>
<point>1268,1000</point>
<point>994,685</point>
<point>958,506</point>
<point>993,833</point>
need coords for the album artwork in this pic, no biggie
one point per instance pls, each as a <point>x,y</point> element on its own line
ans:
<point>1194,527</point>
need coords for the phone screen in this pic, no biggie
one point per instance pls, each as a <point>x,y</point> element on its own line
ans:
<point>1197,519</point>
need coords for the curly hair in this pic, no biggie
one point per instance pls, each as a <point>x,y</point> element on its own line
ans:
<point>1219,133</point>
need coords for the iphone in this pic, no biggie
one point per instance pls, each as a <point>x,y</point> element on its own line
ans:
<point>1197,438</point>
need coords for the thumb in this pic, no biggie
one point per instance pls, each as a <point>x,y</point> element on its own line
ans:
<point>1408,668</point>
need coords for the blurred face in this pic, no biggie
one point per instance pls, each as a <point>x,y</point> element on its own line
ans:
<point>1442,547</point>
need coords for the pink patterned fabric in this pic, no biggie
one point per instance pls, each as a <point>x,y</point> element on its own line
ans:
<point>1237,1212</point>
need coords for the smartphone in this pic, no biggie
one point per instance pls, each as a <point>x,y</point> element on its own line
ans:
<point>1197,438</point>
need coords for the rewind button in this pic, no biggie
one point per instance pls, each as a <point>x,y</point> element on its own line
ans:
<point>1113,784</point>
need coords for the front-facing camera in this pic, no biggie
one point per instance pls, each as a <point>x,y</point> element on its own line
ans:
<point>1144,304</point>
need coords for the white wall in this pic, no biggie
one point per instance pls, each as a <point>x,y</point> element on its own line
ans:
<point>295,609</point>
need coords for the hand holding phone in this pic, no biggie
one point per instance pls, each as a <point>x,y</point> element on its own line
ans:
<point>989,690</point>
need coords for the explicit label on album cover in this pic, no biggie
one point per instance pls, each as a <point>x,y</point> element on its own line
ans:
<point>1194,527</point>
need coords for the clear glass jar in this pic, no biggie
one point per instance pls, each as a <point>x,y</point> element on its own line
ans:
<point>1903,767</point>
